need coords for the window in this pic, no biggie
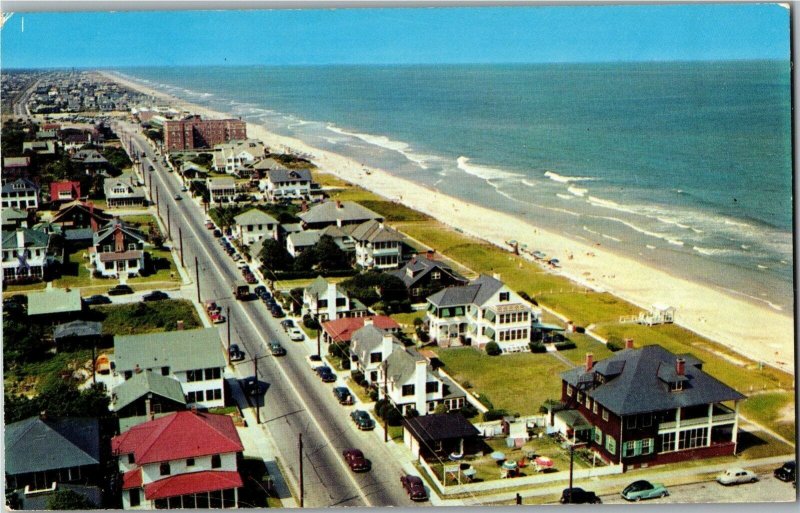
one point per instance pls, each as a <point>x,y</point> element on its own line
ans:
<point>322,303</point>
<point>163,469</point>
<point>611,444</point>
<point>676,386</point>
<point>213,373</point>
<point>692,438</point>
<point>588,403</point>
<point>594,408</point>
<point>408,390</point>
<point>630,422</point>
<point>598,436</point>
<point>131,458</point>
<point>165,371</point>
<point>133,497</point>
<point>647,420</point>
<point>647,446</point>
<point>216,461</point>
<point>436,275</point>
<point>131,246</point>
<point>605,414</point>
<point>106,249</point>
<point>212,394</point>
<point>580,397</point>
<point>431,387</point>
<point>190,462</point>
<point>569,390</point>
<point>375,357</point>
<point>505,296</point>
<point>341,301</point>
<point>667,442</point>
<point>629,449</point>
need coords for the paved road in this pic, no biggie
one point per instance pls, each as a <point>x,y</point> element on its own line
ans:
<point>296,400</point>
<point>20,107</point>
<point>767,489</point>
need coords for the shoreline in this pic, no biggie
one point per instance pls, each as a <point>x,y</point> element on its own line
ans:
<point>753,330</point>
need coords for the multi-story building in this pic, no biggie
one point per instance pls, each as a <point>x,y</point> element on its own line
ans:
<point>118,249</point>
<point>21,193</point>
<point>484,311</point>
<point>425,275</point>
<point>336,213</point>
<point>194,132</point>
<point>27,252</point>
<point>221,190</point>
<point>648,406</point>
<point>193,357</point>
<point>184,460</point>
<point>330,302</point>
<point>235,156</point>
<point>288,183</point>
<point>377,245</point>
<point>255,225</point>
<point>64,191</point>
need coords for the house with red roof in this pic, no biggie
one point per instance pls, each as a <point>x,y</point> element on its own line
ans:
<point>187,459</point>
<point>65,190</point>
<point>341,330</point>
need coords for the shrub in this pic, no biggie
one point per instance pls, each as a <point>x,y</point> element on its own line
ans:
<point>492,349</point>
<point>469,411</point>
<point>309,322</point>
<point>358,377</point>
<point>373,394</point>
<point>411,413</point>
<point>440,409</point>
<point>418,322</point>
<point>524,295</point>
<point>346,363</point>
<point>614,346</point>
<point>494,415</point>
<point>422,335</point>
<point>537,347</point>
<point>566,344</point>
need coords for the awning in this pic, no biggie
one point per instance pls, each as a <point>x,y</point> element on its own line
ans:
<point>489,332</point>
<point>546,327</point>
<point>573,419</point>
<point>489,315</point>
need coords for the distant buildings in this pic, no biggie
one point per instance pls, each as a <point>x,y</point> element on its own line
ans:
<point>337,213</point>
<point>194,132</point>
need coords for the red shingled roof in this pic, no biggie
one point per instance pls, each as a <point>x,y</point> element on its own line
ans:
<point>195,482</point>
<point>132,479</point>
<point>73,187</point>
<point>342,329</point>
<point>184,434</point>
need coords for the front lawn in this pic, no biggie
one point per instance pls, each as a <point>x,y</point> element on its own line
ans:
<point>164,269</point>
<point>136,318</point>
<point>772,409</point>
<point>517,383</point>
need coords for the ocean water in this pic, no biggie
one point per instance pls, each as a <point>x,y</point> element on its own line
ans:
<point>686,165</point>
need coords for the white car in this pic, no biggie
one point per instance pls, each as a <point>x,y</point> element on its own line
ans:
<point>295,334</point>
<point>737,476</point>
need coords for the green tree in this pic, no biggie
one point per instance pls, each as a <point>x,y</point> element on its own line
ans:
<point>372,286</point>
<point>492,349</point>
<point>274,256</point>
<point>329,256</point>
<point>68,499</point>
<point>22,342</point>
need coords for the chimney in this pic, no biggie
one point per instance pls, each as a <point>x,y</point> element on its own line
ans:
<point>431,254</point>
<point>338,204</point>
<point>304,206</point>
<point>20,238</point>
<point>386,345</point>
<point>420,384</point>
<point>589,361</point>
<point>368,321</point>
<point>628,343</point>
<point>194,410</point>
<point>43,415</point>
<point>180,325</point>
<point>119,240</point>
<point>680,366</point>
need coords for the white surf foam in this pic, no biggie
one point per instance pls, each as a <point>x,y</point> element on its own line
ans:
<point>577,191</point>
<point>565,196</point>
<point>612,205</point>
<point>386,143</point>
<point>566,179</point>
<point>610,237</point>
<point>485,172</point>
<point>528,183</point>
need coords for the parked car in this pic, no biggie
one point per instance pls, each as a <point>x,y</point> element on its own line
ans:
<point>178,197</point>
<point>97,299</point>
<point>217,232</point>
<point>414,487</point>
<point>245,269</point>
<point>249,278</point>
<point>276,349</point>
<point>355,460</point>
<point>235,353</point>
<point>736,476</point>
<point>156,295</point>
<point>326,374</point>
<point>579,496</point>
<point>295,334</point>
<point>120,290</point>
<point>209,224</point>
<point>286,324</point>
<point>343,395</point>
<point>184,189</point>
<point>362,420</point>
<point>277,313</point>
<point>642,489</point>
<point>261,291</point>
<point>254,387</point>
<point>786,472</point>
<point>216,318</point>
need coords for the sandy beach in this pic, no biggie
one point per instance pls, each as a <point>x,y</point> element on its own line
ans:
<point>757,332</point>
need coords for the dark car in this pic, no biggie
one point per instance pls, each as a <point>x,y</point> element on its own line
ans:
<point>261,291</point>
<point>254,387</point>
<point>277,313</point>
<point>120,290</point>
<point>288,323</point>
<point>156,295</point>
<point>178,197</point>
<point>235,353</point>
<point>579,496</point>
<point>787,472</point>
<point>327,377</point>
<point>250,278</point>
<point>355,460</point>
<point>276,349</point>
<point>362,420</point>
<point>414,487</point>
<point>97,299</point>
<point>343,395</point>
<point>217,233</point>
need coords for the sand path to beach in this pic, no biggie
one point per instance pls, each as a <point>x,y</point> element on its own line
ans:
<point>757,332</point>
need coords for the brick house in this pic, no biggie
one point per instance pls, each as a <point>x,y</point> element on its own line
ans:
<point>648,406</point>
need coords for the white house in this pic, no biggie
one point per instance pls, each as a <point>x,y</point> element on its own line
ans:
<point>330,302</point>
<point>288,183</point>
<point>183,460</point>
<point>483,311</point>
<point>221,190</point>
<point>123,191</point>
<point>255,225</point>
<point>298,242</point>
<point>26,252</point>
<point>377,245</point>
<point>235,156</point>
<point>118,250</point>
<point>21,193</point>
<point>193,357</point>
<point>369,348</point>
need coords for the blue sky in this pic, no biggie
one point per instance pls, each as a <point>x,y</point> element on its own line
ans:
<point>432,35</point>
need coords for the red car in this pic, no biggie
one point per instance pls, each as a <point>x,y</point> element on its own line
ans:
<point>355,460</point>
<point>414,487</point>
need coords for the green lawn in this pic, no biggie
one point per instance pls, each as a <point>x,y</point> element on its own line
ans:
<point>773,409</point>
<point>585,344</point>
<point>10,290</point>
<point>140,219</point>
<point>135,318</point>
<point>74,272</point>
<point>29,378</point>
<point>518,383</point>
<point>166,271</point>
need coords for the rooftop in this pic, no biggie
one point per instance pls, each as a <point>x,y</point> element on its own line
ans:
<point>180,350</point>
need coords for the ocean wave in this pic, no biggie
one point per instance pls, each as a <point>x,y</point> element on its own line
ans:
<point>386,143</point>
<point>565,196</point>
<point>612,205</point>
<point>675,242</point>
<point>756,298</point>
<point>577,191</point>
<point>567,179</point>
<point>610,237</point>
<point>762,266</point>
<point>711,251</point>
<point>528,183</point>
<point>649,246</point>
<point>485,172</point>
<point>587,229</point>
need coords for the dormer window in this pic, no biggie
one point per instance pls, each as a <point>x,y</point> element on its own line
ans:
<point>676,386</point>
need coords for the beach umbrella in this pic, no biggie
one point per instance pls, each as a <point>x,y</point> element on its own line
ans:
<point>498,456</point>
<point>510,465</point>
<point>543,462</point>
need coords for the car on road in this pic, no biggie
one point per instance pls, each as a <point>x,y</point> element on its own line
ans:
<point>414,487</point>
<point>156,295</point>
<point>343,395</point>
<point>217,232</point>
<point>97,299</point>
<point>642,489</point>
<point>254,387</point>
<point>178,197</point>
<point>261,291</point>
<point>295,334</point>
<point>733,476</point>
<point>326,374</point>
<point>209,224</point>
<point>286,324</point>
<point>119,290</point>
<point>576,495</point>
<point>786,472</point>
<point>236,354</point>
<point>250,278</point>
<point>362,420</point>
<point>355,460</point>
<point>276,349</point>
<point>184,189</point>
<point>277,312</point>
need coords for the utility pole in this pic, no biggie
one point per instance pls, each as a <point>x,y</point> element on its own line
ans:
<point>258,411</point>
<point>158,206</point>
<point>180,241</point>
<point>319,326</point>
<point>571,459</point>
<point>229,334</point>
<point>300,451</point>
<point>197,278</point>
<point>386,398</point>
<point>94,363</point>
<point>169,224</point>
